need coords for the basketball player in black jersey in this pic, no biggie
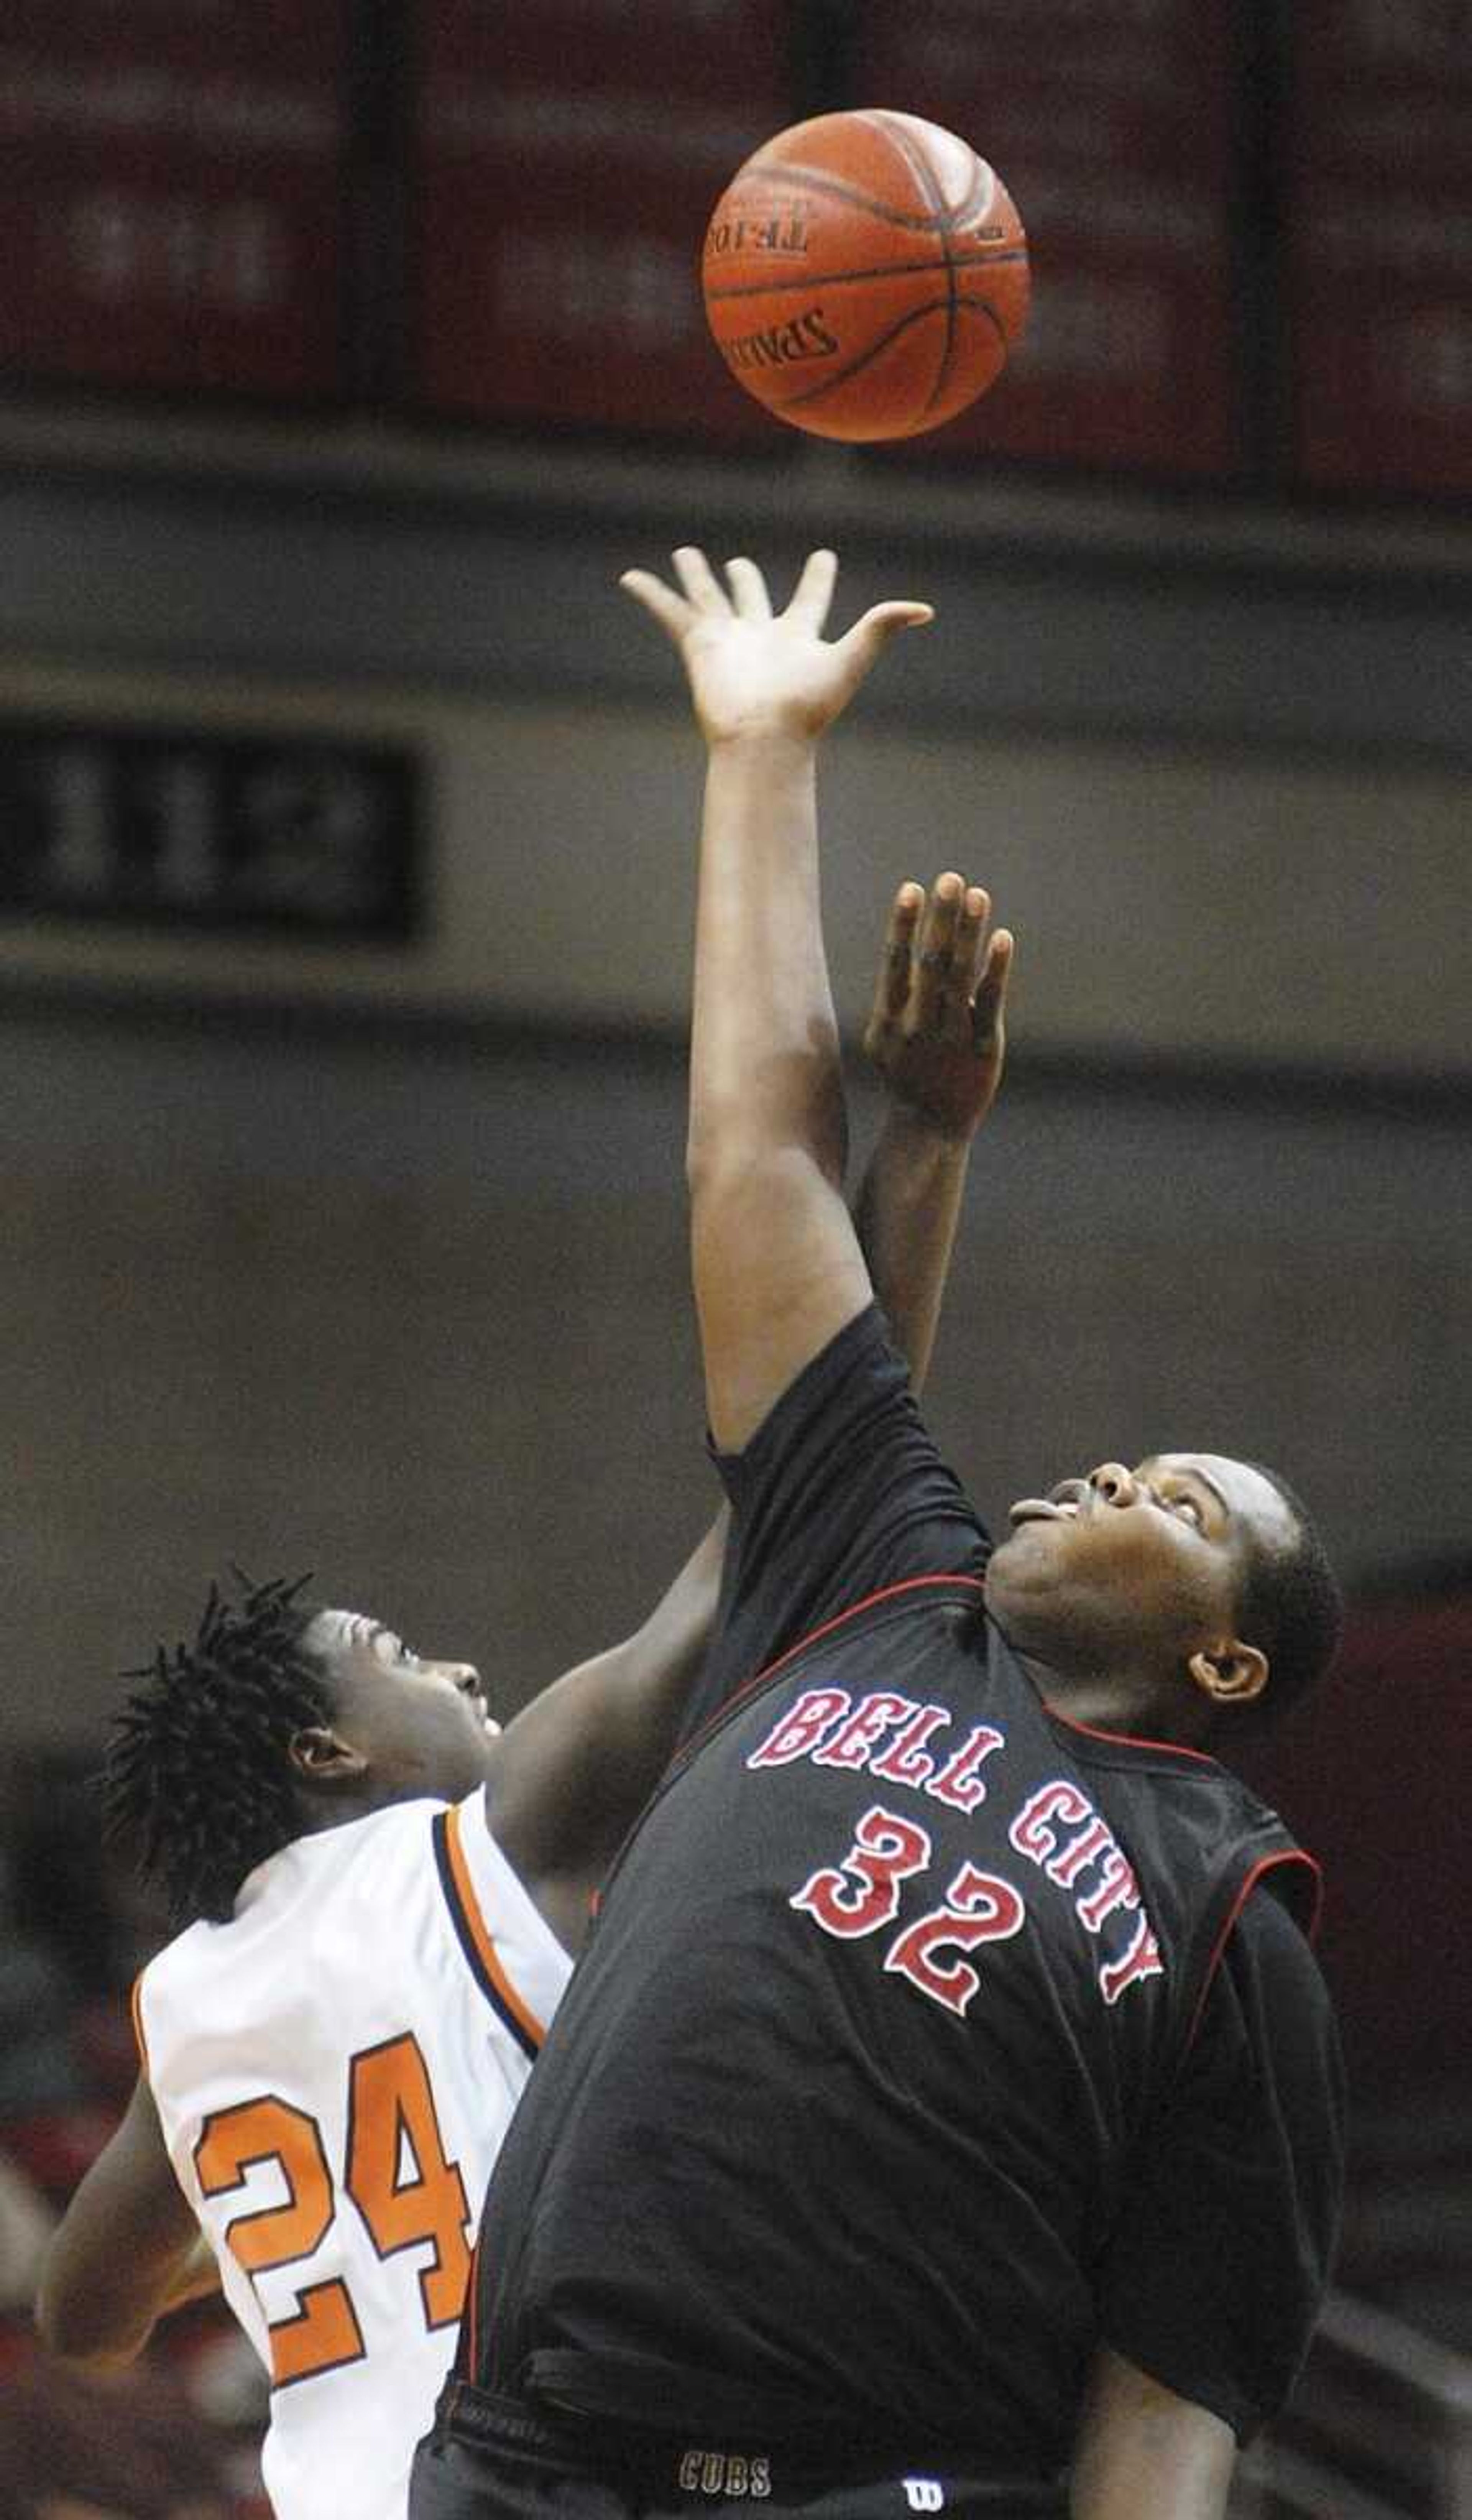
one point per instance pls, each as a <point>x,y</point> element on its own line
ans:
<point>945,2114</point>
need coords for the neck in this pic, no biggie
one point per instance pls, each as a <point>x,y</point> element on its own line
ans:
<point>1118,1703</point>
<point>318,1812</point>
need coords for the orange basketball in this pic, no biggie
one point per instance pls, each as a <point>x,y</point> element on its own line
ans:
<point>865,275</point>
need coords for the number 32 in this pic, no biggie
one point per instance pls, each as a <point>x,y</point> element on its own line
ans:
<point>863,1894</point>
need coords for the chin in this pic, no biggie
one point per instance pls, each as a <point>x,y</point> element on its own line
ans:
<point>1011,1558</point>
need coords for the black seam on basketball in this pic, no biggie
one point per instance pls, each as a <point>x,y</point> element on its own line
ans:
<point>805,283</point>
<point>814,179</point>
<point>856,367</point>
<point>919,169</point>
<point>947,221</point>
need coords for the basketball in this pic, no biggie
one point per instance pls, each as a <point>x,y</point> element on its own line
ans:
<point>865,275</point>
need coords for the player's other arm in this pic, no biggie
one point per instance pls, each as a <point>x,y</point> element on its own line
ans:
<point>126,2250</point>
<point>778,1265</point>
<point>576,1767</point>
<point>937,1036</point>
<point>1215,2274</point>
<point>1143,2450</point>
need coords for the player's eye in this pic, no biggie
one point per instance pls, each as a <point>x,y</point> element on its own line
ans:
<point>1189,1507</point>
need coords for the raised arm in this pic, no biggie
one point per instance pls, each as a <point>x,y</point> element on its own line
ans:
<point>937,1036</point>
<point>778,1265</point>
<point>577,1765</point>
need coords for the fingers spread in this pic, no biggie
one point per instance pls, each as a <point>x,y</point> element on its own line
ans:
<point>669,610</point>
<point>814,592</point>
<point>860,647</point>
<point>748,590</point>
<point>699,580</point>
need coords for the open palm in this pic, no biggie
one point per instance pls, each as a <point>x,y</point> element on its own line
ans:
<point>937,1030</point>
<point>755,672</point>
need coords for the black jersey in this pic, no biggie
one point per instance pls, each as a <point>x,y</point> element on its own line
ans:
<point>870,2108</point>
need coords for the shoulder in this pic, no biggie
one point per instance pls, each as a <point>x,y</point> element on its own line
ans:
<point>191,1954</point>
<point>1272,1961</point>
<point>508,1944</point>
<point>843,1489</point>
<point>1267,2012</point>
<point>858,1373</point>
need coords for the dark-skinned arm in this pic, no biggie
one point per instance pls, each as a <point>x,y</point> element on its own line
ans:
<point>126,2250</point>
<point>937,1036</point>
<point>778,1264</point>
<point>576,1767</point>
<point>1143,2450</point>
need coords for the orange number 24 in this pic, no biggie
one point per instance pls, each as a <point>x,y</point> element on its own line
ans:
<point>397,2175</point>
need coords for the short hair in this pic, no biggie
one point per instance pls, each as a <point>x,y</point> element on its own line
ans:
<point>198,1777</point>
<point>1291,1606</point>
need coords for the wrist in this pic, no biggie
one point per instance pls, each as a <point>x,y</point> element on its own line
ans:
<point>764,743</point>
<point>940,1141</point>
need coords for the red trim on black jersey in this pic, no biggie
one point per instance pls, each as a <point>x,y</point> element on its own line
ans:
<point>1265,1863</point>
<point>768,1671</point>
<point>687,1751</point>
<point>889,1593</point>
<point>1129,1741</point>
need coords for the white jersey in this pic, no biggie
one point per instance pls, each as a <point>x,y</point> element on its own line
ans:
<point>334,2071</point>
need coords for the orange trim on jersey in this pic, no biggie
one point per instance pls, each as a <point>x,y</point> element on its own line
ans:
<point>481,1934</point>
<point>135,2009</point>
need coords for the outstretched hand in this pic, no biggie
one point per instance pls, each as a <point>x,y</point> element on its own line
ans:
<point>754,672</point>
<point>937,1030</point>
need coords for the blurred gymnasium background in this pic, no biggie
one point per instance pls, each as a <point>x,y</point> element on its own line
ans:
<point>348,349</point>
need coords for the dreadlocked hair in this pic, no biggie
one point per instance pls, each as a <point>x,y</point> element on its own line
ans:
<point>197,1779</point>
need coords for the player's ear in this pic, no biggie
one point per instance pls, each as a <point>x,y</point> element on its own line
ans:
<point>322,1758</point>
<point>1230,1674</point>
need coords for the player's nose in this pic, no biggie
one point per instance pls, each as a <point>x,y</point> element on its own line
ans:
<point>1113,1484</point>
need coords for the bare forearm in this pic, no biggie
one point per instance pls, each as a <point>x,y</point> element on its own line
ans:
<point>908,1211</point>
<point>776,1264</point>
<point>576,1767</point>
<point>101,2308</point>
<point>763,1045</point>
<point>126,2250</point>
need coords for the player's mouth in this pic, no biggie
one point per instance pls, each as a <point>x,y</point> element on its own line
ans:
<point>476,1700</point>
<point>1065,1505</point>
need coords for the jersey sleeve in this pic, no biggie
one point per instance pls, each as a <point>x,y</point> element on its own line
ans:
<point>840,1492</point>
<point>1216,2274</point>
<point>510,1949</point>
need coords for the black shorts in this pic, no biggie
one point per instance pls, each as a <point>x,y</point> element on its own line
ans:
<point>491,2459</point>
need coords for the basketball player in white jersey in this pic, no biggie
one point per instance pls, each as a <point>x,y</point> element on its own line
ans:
<point>379,1892</point>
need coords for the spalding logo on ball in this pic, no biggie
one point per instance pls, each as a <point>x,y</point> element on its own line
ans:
<point>865,275</point>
